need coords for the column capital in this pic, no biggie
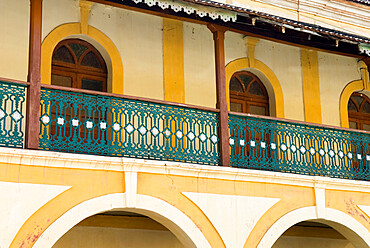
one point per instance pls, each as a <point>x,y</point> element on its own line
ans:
<point>216,28</point>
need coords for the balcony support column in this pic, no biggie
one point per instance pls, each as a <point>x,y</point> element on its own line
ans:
<point>34,76</point>
<point>223,133</point>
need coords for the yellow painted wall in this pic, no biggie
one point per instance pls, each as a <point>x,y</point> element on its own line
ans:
<point>106,237</point>
<point>173,61</point>
<point>285,62</point>
<point>335,72</point>
<point>138,38</point>
<point>58,12</point>
<point>14,24</point>
<point>199,66</point>
<point>88,177</point>
<point>235,47</point>
<point>311,86</point>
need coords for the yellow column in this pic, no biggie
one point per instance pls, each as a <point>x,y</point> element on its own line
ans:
<point>173,61</point>
<point>84,12</point>
<point>251,43</point>
<point>311,86</point>
<point>365,75</point>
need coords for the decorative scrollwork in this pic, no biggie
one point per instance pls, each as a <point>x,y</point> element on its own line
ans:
<point>12,106</point>
<point>298,148</point>
<point>112,126</point>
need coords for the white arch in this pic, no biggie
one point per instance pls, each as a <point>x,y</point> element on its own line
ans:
<point>350,228</point>
<point>175,220</point>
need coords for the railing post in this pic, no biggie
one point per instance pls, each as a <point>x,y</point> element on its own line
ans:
<point>34,76</point>
<point>219,37</point>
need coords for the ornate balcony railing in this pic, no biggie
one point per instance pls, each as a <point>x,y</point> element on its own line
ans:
<point>116,126</point>
<point>12,108</point>
<point>79,121</point>
<point>277,145</point>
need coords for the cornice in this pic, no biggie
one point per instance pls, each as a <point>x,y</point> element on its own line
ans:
<point>92,162</point>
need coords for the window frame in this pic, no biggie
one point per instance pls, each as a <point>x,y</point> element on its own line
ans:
<point>62,68</point>
<point>359,117</point>
<point>245,97</point>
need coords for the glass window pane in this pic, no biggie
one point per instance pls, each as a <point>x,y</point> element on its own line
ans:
<point>61,80</point>
<point>256,89</point>
<point>89,84</point>
<point>351,106</point>
<point>236,107</point>
<point>235,85</point>
<point>352,125</point>
<point>366,127</point>
<point>78,49</point>
<point>91,60</point>
<point>246,79</point>
<point>257,110</point>
<point>357,99</point>
<point>63,54</point>
<point>366,108</point>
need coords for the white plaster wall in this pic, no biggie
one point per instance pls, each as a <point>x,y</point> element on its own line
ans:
<point>235,47</point>
<point>18,202</point>
<point>58,12</point>
<point>99,237</point>
<point>335,72</point>
<point>308,242</point>
<point>285,62</point>
<point>138,38</point>
<point>14,25</point>
<point>199,65</point>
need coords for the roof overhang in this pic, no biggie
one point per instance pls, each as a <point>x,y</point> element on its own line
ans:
<point>255,23</point>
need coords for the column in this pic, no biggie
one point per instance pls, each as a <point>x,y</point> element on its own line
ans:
<point>219,37</point>
<point>34,76</point>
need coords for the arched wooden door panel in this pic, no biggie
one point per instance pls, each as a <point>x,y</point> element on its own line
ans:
<point>249,95</point>
<point>77,64</point>
<point>359,118</point>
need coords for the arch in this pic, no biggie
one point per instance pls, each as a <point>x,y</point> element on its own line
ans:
<point>266,75</point>
<point>169,216</point>
<point>78,60</point>
<point>248,92</point>
<point>350,228</point>
<point>353,86</point>
<point>94,36</point>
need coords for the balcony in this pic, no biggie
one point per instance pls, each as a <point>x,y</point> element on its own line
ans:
<point>88,122</point>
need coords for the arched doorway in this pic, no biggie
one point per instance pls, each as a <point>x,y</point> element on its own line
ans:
<point>359,112</point>
<point>248,94</point>
<point>162,212</point>
<point>119,229</point>
<point>312,234</point>
<point>345,224</point>
<point>77,64</point>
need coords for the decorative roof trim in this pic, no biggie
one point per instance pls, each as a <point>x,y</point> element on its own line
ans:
<point>303,26</point>
<point>190,8</point>
<point>365,2</point>
<point>227,13</point>
<point>365,48</point>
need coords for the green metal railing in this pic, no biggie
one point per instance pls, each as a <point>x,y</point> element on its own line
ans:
<point>105,125</point>
<point>102,124</point>
<point>12,104</point>
<point>269,144</point>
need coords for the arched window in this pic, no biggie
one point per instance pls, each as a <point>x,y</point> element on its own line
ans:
<point>359,112</point>
<point>248,94</point>
<point>78,64</point>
